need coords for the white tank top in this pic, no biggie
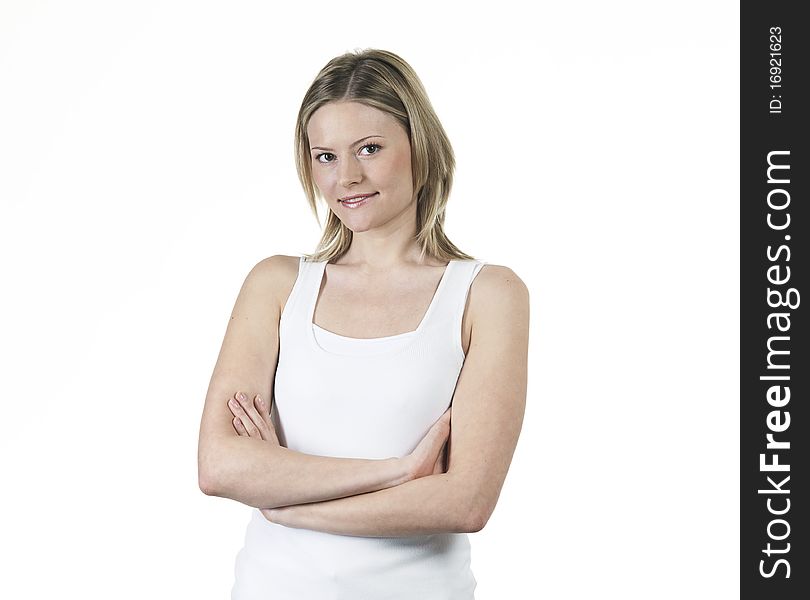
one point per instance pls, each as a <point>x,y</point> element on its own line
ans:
<point>329,403</point>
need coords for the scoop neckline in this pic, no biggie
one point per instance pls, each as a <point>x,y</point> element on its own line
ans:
<point>411,335</point>
<point>354,339</point>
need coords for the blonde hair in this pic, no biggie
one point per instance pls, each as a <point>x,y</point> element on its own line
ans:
<point>382,80</point>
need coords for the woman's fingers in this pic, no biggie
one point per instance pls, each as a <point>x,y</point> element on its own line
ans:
<point>237,406</point>
<point>264,409</point>
<point>254,415</point>
<point>266,425</point>
<point>270,427</point>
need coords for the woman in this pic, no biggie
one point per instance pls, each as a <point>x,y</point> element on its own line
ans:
<point>329,407</point>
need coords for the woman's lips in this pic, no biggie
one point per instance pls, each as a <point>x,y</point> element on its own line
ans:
<point>357,202</point>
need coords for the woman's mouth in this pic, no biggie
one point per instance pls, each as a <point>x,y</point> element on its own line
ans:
<point>357,202</point>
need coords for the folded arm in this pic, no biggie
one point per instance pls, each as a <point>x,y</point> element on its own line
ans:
<point>487,415</point>
<point>263,475</point>
<point>254,471</point>
<point>432,504</point>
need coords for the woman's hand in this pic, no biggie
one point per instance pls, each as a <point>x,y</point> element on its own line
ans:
<point>427,457</point>
<point>252,419</point>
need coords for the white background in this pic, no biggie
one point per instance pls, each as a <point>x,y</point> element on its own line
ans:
<point>146,165</point>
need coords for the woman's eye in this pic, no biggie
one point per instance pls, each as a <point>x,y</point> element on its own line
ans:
<point>319,157</point>
<point>377,146</point>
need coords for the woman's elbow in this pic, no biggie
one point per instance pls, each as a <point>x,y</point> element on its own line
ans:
<point>208,468</point>
<point>206,480</point>
<point>206,488</point>
<point>477,520</point>
<point>475,510</point>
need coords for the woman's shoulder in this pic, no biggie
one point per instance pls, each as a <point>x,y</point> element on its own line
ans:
<point>277,268</point>
<point>498,279</point>
<point>276,275</point>
<point>497,289</point>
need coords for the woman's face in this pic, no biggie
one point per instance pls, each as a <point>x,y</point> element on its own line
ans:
<point>357,149</point>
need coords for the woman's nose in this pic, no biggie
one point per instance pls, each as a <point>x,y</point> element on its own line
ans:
<point>349,171</point>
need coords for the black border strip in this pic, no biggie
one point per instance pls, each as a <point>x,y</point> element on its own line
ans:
<point>774,370</point>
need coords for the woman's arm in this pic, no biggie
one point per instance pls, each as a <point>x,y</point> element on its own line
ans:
<point>487,415</point>
<point>253,471</point>
<point>263,475</point>
<point>252,421</point>
<point>433,504</point>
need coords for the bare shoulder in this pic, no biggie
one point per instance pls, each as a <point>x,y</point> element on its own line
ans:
<point>498,296</point>
<point>277,267</point>
<point>276,275</point>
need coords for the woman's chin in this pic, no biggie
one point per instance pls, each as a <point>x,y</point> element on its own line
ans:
<point>357,227</point>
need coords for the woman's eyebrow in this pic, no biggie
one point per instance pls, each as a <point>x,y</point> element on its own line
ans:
<point>353,143</point>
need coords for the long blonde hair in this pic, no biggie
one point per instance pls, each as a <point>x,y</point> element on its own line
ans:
<point>384,81</point>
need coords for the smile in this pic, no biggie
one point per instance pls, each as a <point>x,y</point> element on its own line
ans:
<point>357,202</point>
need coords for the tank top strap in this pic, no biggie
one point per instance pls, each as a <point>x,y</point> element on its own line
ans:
<point>312,275</point>
<point>450,303</point>
<point>300,302</point>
